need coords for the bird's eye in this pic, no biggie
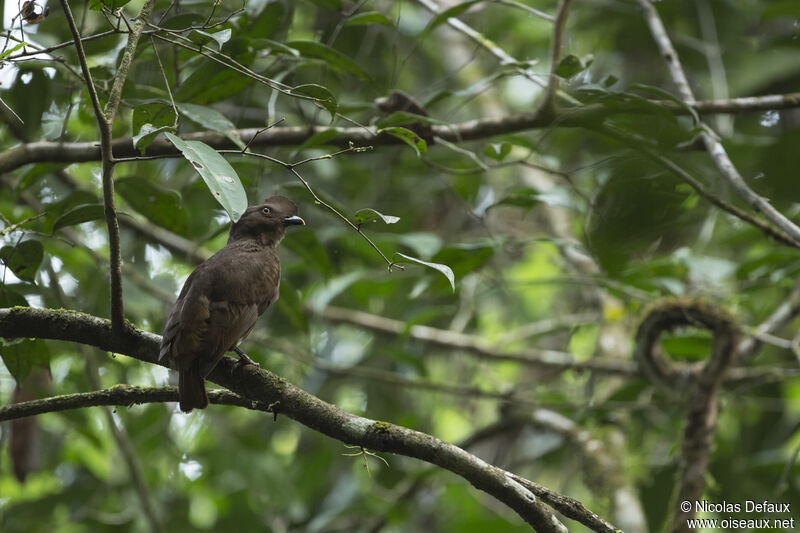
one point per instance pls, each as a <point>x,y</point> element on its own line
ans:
<point>266,211</point>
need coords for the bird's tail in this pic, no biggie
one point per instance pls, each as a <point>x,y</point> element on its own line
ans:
<point>192,389</point>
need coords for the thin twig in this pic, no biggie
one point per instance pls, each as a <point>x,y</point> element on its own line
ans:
<point>106,155</point>
<point>166,80</point>
<point>548,101</point>
<point>714,147</point>
<point>641,146</point>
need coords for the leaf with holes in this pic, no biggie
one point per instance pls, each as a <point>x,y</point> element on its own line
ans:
<point>23,259</point>
<point>444,269</point>
<point>370,215</point>
<point>221,179</point>
<point>409,137</point>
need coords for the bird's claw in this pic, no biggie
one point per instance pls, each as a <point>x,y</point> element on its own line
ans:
<point>244,359</point>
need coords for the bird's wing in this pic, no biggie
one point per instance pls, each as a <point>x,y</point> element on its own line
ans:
<point>227,323</point>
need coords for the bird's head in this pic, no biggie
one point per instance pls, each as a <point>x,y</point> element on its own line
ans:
<point>266,222</point>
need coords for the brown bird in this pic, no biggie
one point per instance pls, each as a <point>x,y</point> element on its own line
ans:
<point>224,296</point>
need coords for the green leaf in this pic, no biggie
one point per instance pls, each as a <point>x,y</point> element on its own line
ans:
<point>221,179</point>
<point>570,66</point>
<point>9,298</point>
<point>23,259</point>
<point>79,215</point>
<point>186,19</point>
<point>497,151</point>
<point>211,119</point>
<point>212,82</point>
<point>332,58</point>
<point>609,81</point>
<point>274,16</point>
<point>11,50</point>
<point>147,134</point>
<point>370,215</point>
<point>409,137</point>
<point>203,37</point>
<point>157,113</point>
<point>160,206</point>
<point>318,139</point>
<point>519,197</point>
<point>319,94</point>
<point>368,17</point>
<point>403,118</point>
<point>20,357</point>
<point>442,17</point>
<point>444,269</point>
<point>31,100</point>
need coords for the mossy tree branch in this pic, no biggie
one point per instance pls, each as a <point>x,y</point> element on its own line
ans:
<point>262,388</point>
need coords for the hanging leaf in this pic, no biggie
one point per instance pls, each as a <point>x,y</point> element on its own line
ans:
<point>221,179</point>
<point>23,259</point>
<point>203,37</point>
<point>79,215</point>
<point>321,95</point>
<point>211,119</point>
<point>20,357</point>
<point>497,151</point>
<point>147,134</point>
<point>370,215</point>
<point>444,269</point>
<point>409,137</point>
<point>570,66</point>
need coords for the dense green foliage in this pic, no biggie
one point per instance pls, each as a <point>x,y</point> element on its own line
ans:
<point>564,223</point>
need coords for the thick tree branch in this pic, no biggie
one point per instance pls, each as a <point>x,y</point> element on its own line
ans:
<point>119,395</point>
<point>469,343</point>
<point>551,359</point>
<point>714,147</point>
<point>80,152</point>
<point>265,388</point>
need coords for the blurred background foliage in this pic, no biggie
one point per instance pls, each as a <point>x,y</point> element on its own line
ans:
<point>558,238</point>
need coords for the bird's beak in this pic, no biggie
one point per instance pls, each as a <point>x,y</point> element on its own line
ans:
<point>294,220</point>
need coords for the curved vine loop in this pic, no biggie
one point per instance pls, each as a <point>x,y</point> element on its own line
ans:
<point>704,378</point>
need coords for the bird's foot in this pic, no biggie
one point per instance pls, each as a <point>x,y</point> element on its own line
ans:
<point>244,359</point>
